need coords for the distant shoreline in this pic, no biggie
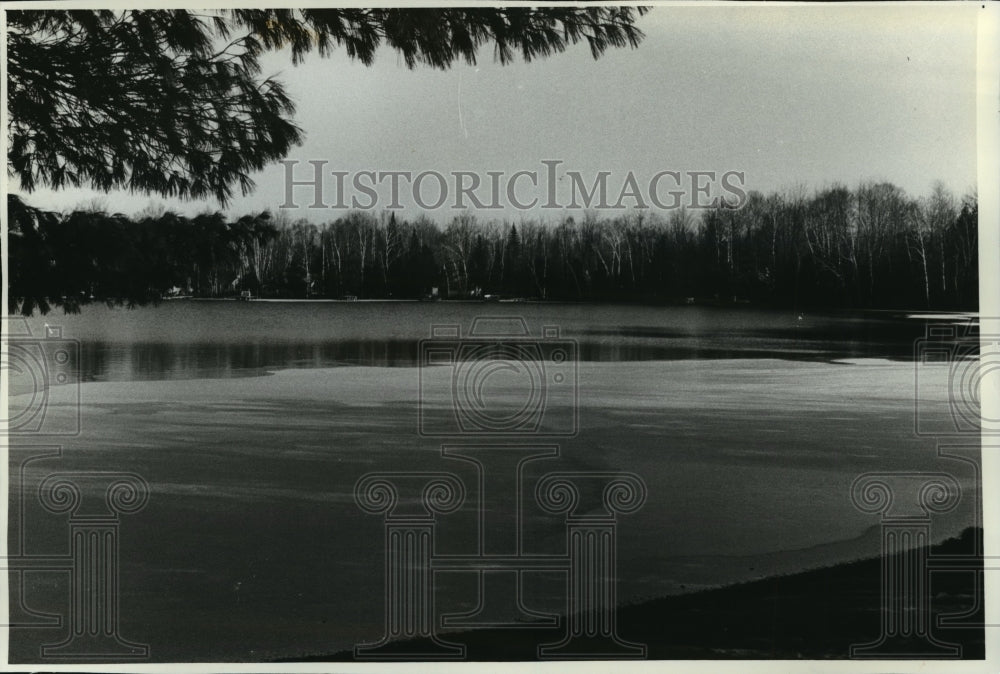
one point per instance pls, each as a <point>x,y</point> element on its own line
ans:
<point>923,314</point>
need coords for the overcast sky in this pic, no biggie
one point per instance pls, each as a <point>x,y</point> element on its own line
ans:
<point>806,95</point>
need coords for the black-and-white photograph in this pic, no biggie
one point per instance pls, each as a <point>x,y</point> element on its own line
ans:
<point>500,333</point>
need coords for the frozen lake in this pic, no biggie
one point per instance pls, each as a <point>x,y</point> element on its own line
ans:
<point>251,422</point>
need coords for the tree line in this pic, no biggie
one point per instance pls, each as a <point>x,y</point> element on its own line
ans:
<point>869,247</point>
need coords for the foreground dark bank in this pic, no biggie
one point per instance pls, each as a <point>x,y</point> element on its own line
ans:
<point>816,614</point>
